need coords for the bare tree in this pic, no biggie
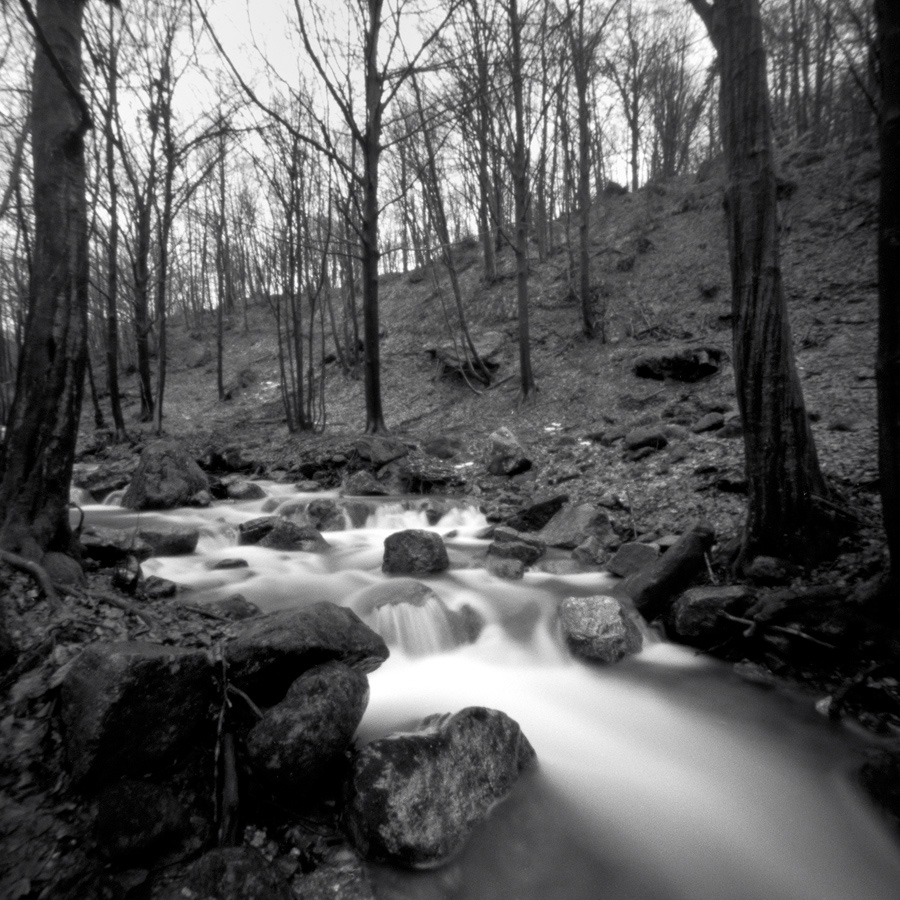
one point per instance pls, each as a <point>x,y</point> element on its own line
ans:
<point>584,41</point>
<point>380,84</point>
<point>785,485</point>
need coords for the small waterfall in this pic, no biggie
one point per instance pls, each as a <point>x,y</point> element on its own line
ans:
<point>416,630</point>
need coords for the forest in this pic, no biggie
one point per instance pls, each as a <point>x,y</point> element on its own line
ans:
<point>621,275</point>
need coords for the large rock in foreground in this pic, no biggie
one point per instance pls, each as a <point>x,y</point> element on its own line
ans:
<point>414,552</point>
<point>131,707</point>
<point>274,650</point>
<point>298,745</point>
<point>414,798</point>
<point>599,629</point>
<point>166,477</point>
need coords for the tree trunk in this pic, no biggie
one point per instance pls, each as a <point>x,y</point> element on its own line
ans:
<point>784,517</point>
<point>43,422</point>
<point>369,233</point>
<point>112,275</point>
<point>888,357</point>
<point>520,190</point>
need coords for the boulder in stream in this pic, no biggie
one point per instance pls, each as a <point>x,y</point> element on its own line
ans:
<point>273,650</point>
<point>130,707</point>
<point>599,629</point>
<point>297,747</point>
<point>413,798</point>
<point>278,533</point>
<point>170,541</point>
<point>414,551</point>
<point>166,477</point>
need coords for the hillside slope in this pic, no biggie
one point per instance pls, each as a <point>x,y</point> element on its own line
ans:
<point>661,261</point>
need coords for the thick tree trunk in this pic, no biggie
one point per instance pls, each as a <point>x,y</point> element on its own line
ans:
<point>785,483</point>
<point>888,358</point>
<point>43,422</point>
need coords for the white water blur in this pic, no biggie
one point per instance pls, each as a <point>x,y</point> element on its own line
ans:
<point>662,777</point>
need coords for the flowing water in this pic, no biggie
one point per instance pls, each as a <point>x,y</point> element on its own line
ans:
<point>662,778</point>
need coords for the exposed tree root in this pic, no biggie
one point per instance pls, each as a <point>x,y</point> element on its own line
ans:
<point>38,572</point>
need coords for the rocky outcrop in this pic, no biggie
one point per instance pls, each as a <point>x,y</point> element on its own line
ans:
<point>414,798</point>
<point>130,707</point>
<point>166,477</point>
<point>297,747</point>
<point>455,358</point>
<point>272,651</point>
<point>414,551</point>
<point>599,629</point>
<point>680,364</point>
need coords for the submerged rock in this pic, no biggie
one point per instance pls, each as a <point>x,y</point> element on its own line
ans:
<point>411,616</point>
<point>297,746</point>
<point>131,707</point>
<point>414,798</point>
<point>273,650</point>
<point>599,629</point>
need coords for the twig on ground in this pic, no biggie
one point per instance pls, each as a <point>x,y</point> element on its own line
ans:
<point>754,626</point>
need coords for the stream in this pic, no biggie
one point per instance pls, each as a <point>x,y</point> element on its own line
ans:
<point>665,777</point>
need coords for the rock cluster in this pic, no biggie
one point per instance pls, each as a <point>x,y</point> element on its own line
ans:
<point>136,717</point>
